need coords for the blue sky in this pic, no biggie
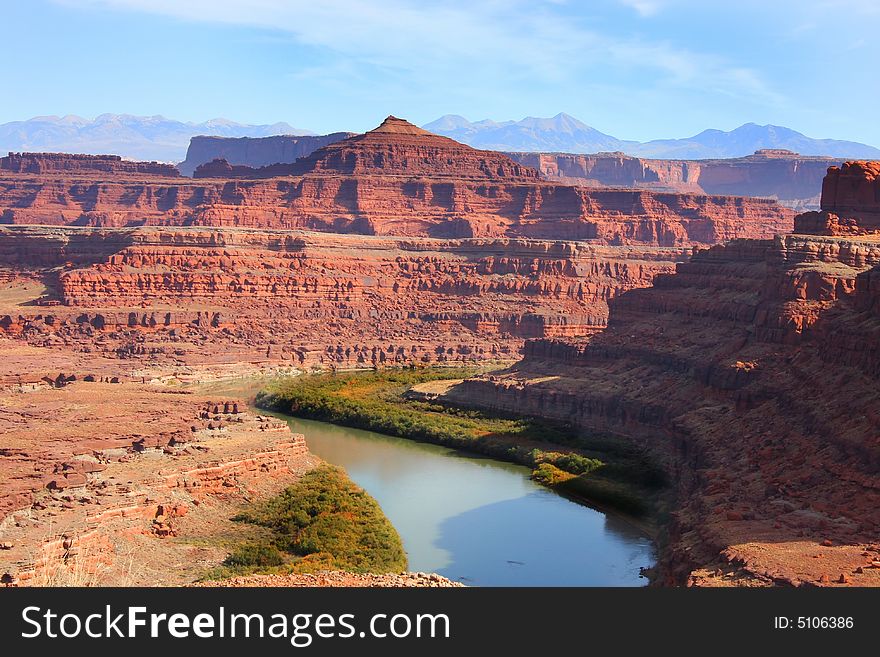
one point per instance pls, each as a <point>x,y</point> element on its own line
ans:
<point>637,69</point>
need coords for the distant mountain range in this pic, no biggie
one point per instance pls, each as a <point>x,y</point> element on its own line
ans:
<point>166,140</point>
<point>134,137</point>
<point>564,133</point>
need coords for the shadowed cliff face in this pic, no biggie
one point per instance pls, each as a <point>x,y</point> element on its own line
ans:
<point>253,152</point>
<point>752,371</point>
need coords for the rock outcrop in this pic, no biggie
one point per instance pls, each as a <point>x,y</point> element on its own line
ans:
<point>253,152</point>
<point>399,148</point>
<point>792,179</point>
<point>95,476</point>
<point>850,202</point>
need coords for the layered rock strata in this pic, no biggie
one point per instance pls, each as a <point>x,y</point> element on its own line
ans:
<point>311,298</point>
<point>850,202</point>
<point>395,180</point>
<point>41,163</point>
<point>118,469</point>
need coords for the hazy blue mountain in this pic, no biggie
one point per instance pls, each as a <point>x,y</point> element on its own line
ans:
<point>166,140</point>
<point>564,133</point>
<point>748,138</point>
<point>135,137</point>
<point>560,133</point>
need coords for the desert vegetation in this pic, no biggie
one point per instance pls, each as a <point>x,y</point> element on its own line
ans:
<point>323,522</point>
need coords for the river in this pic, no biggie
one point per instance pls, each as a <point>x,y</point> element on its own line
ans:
<point>480,521</point>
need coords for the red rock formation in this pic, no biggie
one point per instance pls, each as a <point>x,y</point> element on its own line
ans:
<point>790,178</point>
<point>850,202</point>
<point>399,148</point>
<point>853,189</point>
<point>253,152</point>
<point>395,180</point>
<point>220,168</point>
<point>75,163</point>
<point>389,300</point>
<point>94,475</point>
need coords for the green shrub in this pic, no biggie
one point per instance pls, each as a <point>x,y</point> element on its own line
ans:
<point>253,555</point>
<point>322,522</point>
<point>326,513</point>
<point>548,474</point>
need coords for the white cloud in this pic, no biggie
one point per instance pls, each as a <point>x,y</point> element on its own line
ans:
<point>488,39</point>
<point>645,8</point>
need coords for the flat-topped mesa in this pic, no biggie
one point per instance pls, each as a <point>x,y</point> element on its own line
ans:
<point>253,152</point>
<point>850,202</point>
<point>399,148</point>
<point>79,163</point>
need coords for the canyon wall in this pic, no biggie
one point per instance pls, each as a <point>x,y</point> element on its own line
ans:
<point>422,250</point>
<point>310,298</point>
<point>253,152</point>
<point>752,373</point>
<point>385,206</point>
<point>793,179</point>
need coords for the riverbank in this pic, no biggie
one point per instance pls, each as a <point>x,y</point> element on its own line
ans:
<point>323,522</point>
<point>596,470</point>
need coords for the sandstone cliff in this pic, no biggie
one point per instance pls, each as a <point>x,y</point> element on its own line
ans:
<point>309,298</point>
<point>850,202</point>
<point>788,177</point>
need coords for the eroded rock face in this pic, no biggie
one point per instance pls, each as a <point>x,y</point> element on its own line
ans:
<point>96,477</point>
<point>396,180</point>
<point>311,298</point>
<point>790,178</point>
<point>399,148</point>
<point>76,163</point>
<point>850,202</point>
